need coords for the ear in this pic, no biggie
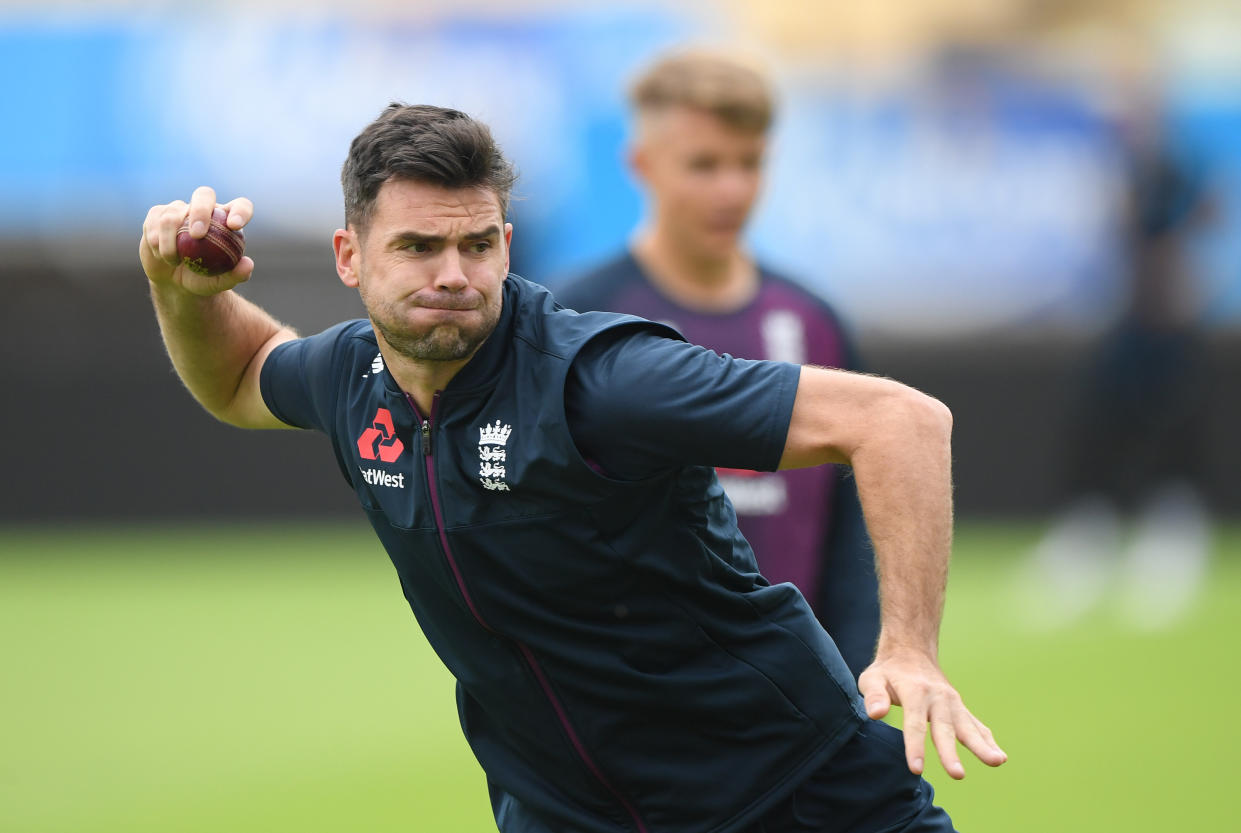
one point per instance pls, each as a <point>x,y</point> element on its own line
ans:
<point>508,247</point>
<point>639,161</point>
<point>346,245</point>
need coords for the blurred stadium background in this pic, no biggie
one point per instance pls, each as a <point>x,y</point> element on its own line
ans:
<point>198,632</point>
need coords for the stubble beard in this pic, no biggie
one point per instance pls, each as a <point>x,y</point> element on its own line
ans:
<point>442,343</point>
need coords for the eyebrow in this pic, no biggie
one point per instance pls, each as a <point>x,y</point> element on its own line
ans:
<point>418,237</point>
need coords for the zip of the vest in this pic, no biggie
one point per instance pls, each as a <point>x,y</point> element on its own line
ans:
<point>425,426</point>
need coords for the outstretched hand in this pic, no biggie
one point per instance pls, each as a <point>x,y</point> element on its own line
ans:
<point>158,247</point>
<point>912,680</point>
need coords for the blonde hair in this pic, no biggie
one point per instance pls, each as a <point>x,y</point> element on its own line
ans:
<point>733,91</point>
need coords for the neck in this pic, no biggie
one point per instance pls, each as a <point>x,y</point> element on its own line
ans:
<point>705,282</point>
<point>420,378</point>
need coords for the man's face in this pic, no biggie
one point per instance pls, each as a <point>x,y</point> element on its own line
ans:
<point>703,177</point>
<point>430,267</point>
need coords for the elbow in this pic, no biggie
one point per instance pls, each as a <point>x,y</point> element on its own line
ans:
<point>225,411</point>
<point>939,414</point>
<point>927,418</point>
<point>922,406</point>
<point>910,414</point>
<point>840,417</point>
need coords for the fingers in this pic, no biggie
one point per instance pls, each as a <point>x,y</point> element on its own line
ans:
<point>243,270</point>
<point>874,690</point>
<point>202,203</point>
<point>148,244</point>
<point>977,738</point>
<point>914,726</point>
<point>944,736</point>
<point>240,211</point>
<point>950,722</point>
<point>927,698</point>
<point>166,232</point>
<point>208,285</point>
<point>157,249</point>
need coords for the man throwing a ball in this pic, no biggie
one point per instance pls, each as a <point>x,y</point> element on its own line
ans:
<point>544,484</point>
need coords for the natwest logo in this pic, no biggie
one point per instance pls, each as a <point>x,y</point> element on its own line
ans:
<point>379,477</point>
<point>379,442</point>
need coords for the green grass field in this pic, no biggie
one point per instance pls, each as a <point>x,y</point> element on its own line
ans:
<point>273,679</point>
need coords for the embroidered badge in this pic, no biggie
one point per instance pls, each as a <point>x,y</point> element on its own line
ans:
<point>492,454</point>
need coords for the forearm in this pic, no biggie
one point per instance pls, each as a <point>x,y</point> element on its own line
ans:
<point>898,442</point>
<point>904,479</point>
<point>215,343</point>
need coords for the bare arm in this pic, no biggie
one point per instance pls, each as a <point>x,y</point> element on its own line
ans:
<point>898,442</point>
<point>216,339</point>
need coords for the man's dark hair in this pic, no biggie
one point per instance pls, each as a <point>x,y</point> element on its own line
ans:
<point>427,144</point>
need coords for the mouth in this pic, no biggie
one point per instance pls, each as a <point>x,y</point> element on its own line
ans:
<point>438,308</point>
<point>446,304</point>
<point>726,226</point>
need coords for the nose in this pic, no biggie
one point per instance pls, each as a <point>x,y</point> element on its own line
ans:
<point>736,185</point>
<point>450,277</point>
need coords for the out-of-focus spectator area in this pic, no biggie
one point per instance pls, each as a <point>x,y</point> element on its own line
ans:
<point>984,188</point>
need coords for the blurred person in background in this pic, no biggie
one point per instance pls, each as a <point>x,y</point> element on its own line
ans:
<point>1136,520</point>
<point>701,124</point>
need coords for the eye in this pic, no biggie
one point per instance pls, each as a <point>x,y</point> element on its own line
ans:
<point>480,247</point>
<point>417,247</point>
<point>702,164</point>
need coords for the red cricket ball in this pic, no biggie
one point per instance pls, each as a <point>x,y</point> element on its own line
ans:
<point>215,253</point>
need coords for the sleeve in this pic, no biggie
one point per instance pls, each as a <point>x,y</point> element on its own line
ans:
<point>300,381</point>
<point>640,402</point>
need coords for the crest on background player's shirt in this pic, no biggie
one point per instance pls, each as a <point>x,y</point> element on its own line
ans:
<point>784,337</point>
